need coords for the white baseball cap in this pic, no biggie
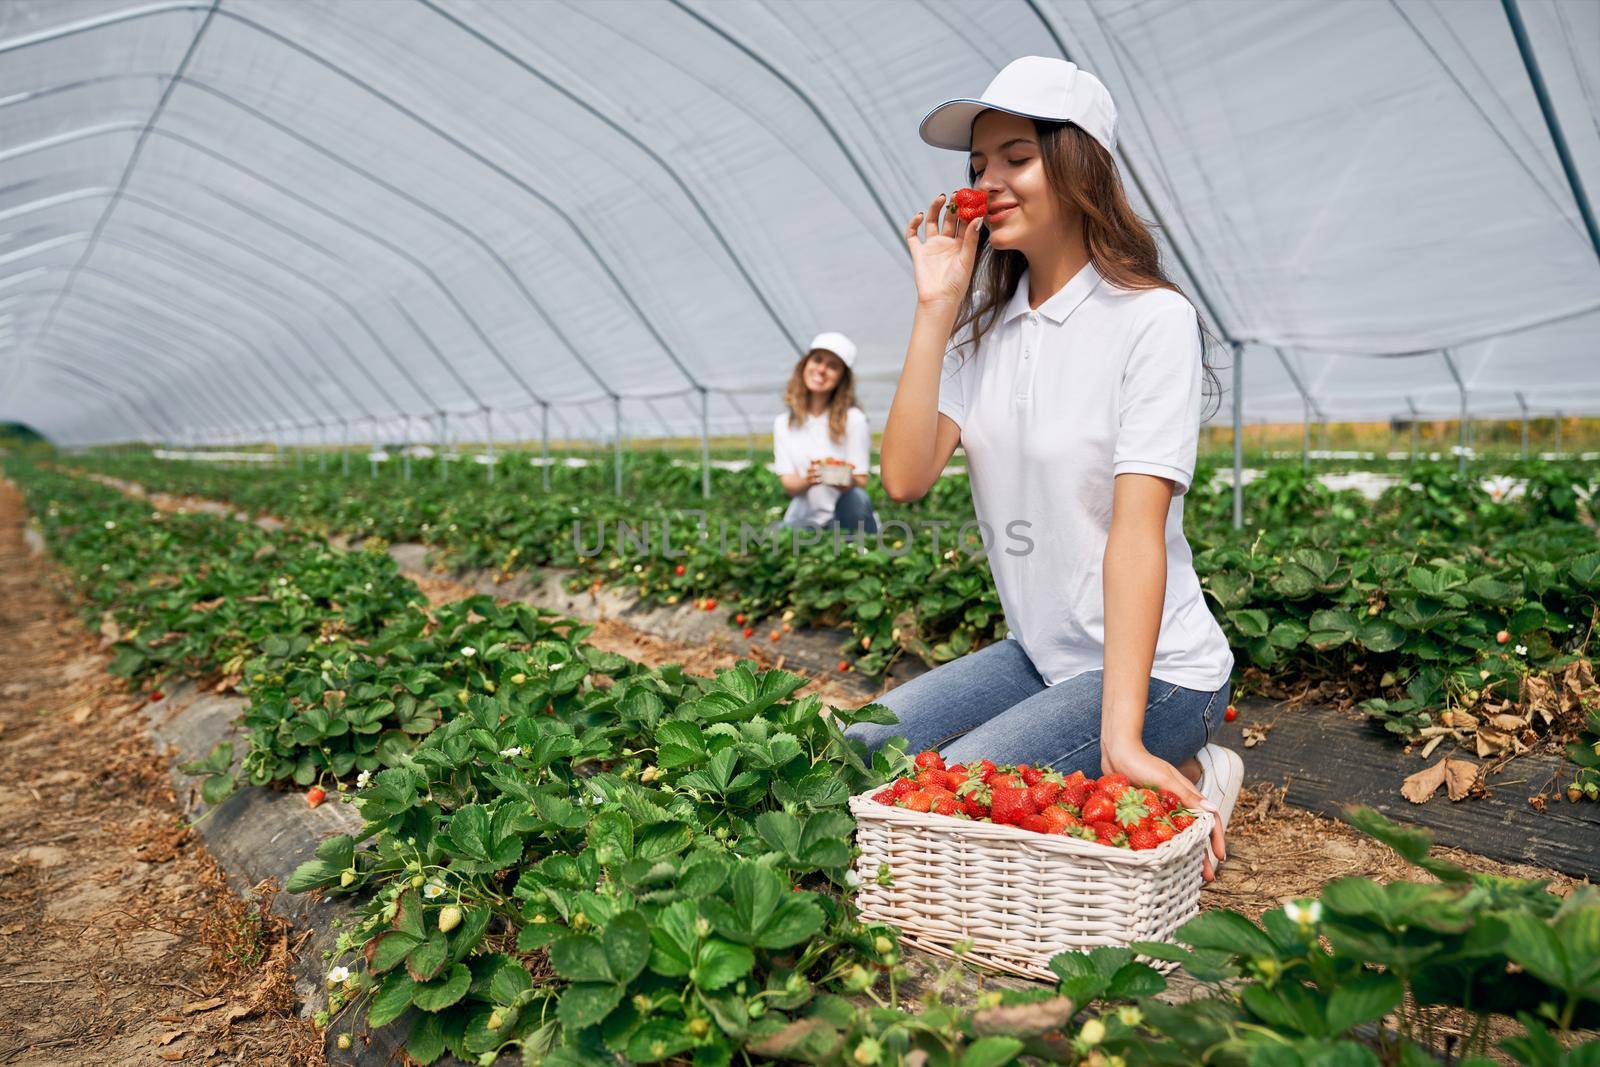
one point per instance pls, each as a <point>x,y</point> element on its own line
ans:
<point>838,344</point>
<point>1035,87</point>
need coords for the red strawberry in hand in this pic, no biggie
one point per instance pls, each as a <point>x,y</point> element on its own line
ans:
<point>970,204</point>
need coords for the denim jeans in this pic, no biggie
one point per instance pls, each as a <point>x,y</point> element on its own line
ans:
<point>852,511</point>
<point>992,703</point>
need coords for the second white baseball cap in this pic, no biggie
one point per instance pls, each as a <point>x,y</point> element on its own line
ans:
<point>1035,87</point>
<point>838,344</point>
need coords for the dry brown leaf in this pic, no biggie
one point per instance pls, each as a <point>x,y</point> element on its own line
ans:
<point>198,1006</point>
<point>1509,723</point>
<point>1461,720</point>
<point>173,1055</point>
<point>1433,743</point>
<point>167,1038</point>
<point>1256,733</point>
<point>1456,775</point>
<point>1031,1019</point>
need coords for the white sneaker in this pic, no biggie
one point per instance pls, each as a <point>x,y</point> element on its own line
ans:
<point>1221,776</point>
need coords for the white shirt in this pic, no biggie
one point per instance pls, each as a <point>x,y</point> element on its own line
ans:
<point>794,448</point>
<point>1054,404</point>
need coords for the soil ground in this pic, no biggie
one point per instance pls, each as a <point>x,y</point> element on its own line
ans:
<point>122,942</point>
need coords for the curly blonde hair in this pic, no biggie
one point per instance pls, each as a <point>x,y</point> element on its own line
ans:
<point>798,398</point>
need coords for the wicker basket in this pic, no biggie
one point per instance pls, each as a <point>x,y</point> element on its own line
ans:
<point>1019,896</point>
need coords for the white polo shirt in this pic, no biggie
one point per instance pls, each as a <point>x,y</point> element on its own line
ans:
<point>793,449</point>
<point>1055,403</point>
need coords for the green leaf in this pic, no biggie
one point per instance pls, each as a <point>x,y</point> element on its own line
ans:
<point>426,1042</point>
<point>391,1000</point>
<point>440,993</point>
<point>1365,998</point>
<point>658,1039</point>
<point>990,1052</point>
<point>427,959</point>
<point>587,1003</point>
<point>1223,929</point>
<point>389,949</point>
<point>720,963</point>
<point>627,945</point>
<point>580,958</point>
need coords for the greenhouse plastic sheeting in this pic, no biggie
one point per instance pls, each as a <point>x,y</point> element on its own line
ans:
<point>239,219</point>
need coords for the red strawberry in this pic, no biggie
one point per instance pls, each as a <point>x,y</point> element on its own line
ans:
<point>1076,788</point>
<point>1010,804</point>
<point>315,795</point>
<point>739,618</point>
<point>901,786</point>
<point>1164,831</point>
<point>1030,775</point>
<point>1047,789</point>
<point>1036,823</point>
<point>711,603</point>
<point>1132,808</point>
<point>975,805</point>
<point>1004,781</point>
<point>1142,838</point>
<point>929,758</point>
<point>1098,808</point>
<point>1170,800</point>
<point>1182,820</point>
<point>916,800</point>
<point>844,665</point>
<point>157,695</point>
<point>957,774</point>
<point>970,204</point>
<point>946,804</point>
<point>932,778</point>
<point>985,769</point>
<point>1112,785</point>
<point>1058,820</point>
<point>678,570</point>
<point>1231,714</point>
<point>1107,833</point>
<point>748,631</point>
<point>884,797</point>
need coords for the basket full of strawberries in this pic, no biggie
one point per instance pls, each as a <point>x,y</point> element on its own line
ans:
<point>1023,862</point>
<point>836,472</point>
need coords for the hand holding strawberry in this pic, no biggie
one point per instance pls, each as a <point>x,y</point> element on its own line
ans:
<point>1136,763</point>
<point>944,248</point>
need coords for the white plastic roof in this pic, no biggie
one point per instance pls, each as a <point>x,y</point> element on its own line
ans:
<point>219,220</point>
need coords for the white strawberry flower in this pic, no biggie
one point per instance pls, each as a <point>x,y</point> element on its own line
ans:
<point>338,976</point>
<point>110,525</point>
<point>283,581</point>
<point>1522,650</point>
<point>433,891</point>
<point>468,652</point>
<point>1303,912</point>
<point>363,779</point>
<point>512,752</point>
<point>369,587</point>
<point>851,878</point>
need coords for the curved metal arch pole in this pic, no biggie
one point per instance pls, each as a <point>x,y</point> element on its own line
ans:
<point>1155,208</point>
<point>439,356</point>
<point>749,427</point>
<point>226,290</point>
<point>672,173</point>
<point>107,390</point>
<point>244,303</point>
<point>811,105</point>
<point>1308,406</point>
<point>92,332</point>
<point>179,310</point>
<point>203,368</point>
<point>59,199</point>
<point>437,213</point>
<point>1522,405</point>
<point>191,376</point>
<point>53,370</point>
<point>1461,387</point>
<point>104,129</point>
<point>563,216</point>
<point>124,388</point>
<point>127,174</point>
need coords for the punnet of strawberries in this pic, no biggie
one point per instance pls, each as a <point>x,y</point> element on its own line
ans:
<point>1110,809</point>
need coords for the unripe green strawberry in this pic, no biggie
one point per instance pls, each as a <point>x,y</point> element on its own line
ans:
<point>449,918</point>
<point>347,878</point>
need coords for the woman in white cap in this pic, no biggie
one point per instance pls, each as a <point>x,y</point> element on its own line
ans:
<point>1049,343</point>
<point>821,443</point>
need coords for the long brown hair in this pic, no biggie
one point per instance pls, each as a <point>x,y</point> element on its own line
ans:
<point>798,398</point>
<point>1121,246</point>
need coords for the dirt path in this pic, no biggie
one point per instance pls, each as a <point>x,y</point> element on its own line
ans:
<point>122,943</point>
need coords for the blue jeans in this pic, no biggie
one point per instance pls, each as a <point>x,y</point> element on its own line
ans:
<point>852,511</point>
<point>993,704</point>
